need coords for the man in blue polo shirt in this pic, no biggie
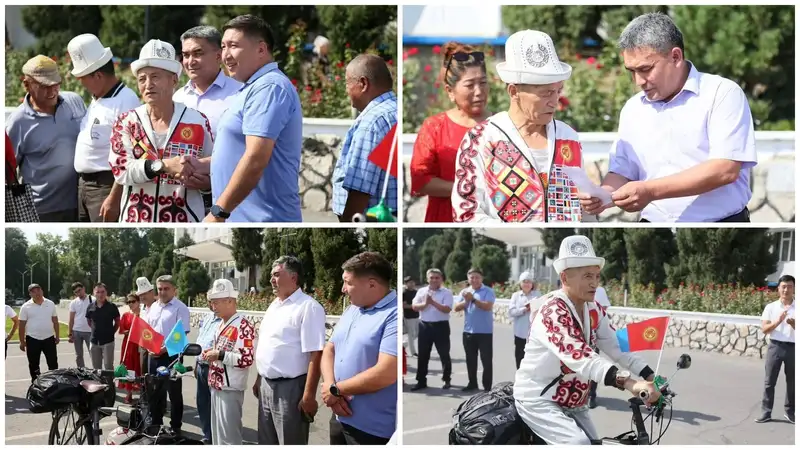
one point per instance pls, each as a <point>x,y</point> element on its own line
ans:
<point>359,363</point>
<point>478,301</point>
<point>256,161</point>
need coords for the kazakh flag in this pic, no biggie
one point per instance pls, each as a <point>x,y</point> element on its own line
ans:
<point>176,340</point>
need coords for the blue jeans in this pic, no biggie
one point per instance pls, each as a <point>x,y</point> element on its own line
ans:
<point>204,400</point>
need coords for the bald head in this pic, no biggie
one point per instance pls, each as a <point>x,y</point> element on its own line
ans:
<point>373,68</point>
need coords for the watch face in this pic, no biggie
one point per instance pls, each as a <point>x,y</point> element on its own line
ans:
<point>624,374</point>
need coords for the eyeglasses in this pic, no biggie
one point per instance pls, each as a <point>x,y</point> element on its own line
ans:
<point>463,57</point>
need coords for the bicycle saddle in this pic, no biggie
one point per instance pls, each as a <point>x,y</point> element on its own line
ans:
<point>93,386</point>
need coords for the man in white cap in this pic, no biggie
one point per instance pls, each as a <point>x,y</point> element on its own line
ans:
<point>520,311</point>
<point>92,65</point>
<point>46,158</point>
<point>551,388</point>
<point>147,296</point>
<point>152,144</point>
<point>514,167</point>
<point>229,360</point>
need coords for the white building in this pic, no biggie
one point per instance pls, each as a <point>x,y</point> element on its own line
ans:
<point>527,252</point>
<point>214,248</point>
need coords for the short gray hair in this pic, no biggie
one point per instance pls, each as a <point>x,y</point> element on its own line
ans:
<point>210,34</point>
<point>651,30</point>
<point>434,271</point>
<point>165,279</point>
<point>291,264</point>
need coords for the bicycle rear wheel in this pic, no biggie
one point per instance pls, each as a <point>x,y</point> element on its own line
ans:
<point>68,429</point>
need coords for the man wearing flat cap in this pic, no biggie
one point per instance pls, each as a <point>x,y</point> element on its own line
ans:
<point>46,158</point>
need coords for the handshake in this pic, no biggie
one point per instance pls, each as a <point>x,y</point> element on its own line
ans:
<point>192,172</point>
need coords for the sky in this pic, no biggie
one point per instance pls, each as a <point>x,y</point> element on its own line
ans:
<point>31,230</point>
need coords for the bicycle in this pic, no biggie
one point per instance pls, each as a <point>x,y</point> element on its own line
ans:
<point>85,416</point>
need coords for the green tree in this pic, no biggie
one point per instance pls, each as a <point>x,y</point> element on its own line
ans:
<point>413,263</point>
<point>458,261</point>
<point>184,241</point>
<point>331,248</point>
<point>609,243</point>
<point>123,26</point>
<point>493,262</point>
<point>384,241</point>
<point>55,25</point>
<point>16,261</point>
<point>271,251</point>
<point>247,251</point>
<point>435,251</point>
<point>192,281</point>
<point>360,27</point>
<point>649,251</point>
<point>299,246</point>
<point>552,237</point>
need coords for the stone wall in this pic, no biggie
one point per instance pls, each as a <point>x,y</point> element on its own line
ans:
<point>772,201</point>
<point>320,153</point>
<point>727,338</point>
<point>255,318</point>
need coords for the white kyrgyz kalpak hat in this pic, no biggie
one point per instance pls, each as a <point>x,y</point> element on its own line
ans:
<point>157,54</point>
<point>576,251</point>
<point>531,59</point>
<point>87,54</point>
<point>526,276</point>
<point>143,285</point>
<point>222,288</point>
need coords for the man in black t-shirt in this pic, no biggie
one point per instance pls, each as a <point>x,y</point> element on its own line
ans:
<point>410,317</point>
<point>103,317</point>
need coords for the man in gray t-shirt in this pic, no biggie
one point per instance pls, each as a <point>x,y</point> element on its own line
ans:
<point>44,130</point>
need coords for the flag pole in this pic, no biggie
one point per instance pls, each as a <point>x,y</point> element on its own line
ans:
<point>128,343</point>
<point>663,341</point>
<point>389,167</point>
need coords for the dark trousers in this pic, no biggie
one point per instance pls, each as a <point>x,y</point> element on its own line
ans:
<point>779,353</point>
<point>35,348</point>
<point>343,434</point>
<point>519,349</point>
<point>742,216</point>
<point>204,400</point>
<point>475,343</point>
<point>175,390</point>
<point>434,334</point>
<point>68,215</point>
<point>93,189</point>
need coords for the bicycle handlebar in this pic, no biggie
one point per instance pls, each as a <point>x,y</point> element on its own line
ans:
<point>172,376</point>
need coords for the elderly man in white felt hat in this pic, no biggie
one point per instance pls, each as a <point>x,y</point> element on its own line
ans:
<point>520,311</point>
<point>93,66</point>
<point>158,147</point>
<point>515,167</point>
<point>551,388</point>
<point>146,293</point>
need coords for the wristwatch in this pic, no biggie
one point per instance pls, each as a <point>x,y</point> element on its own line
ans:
<point>219,213</point>
<point>622,377</point>
<point>157,167</point>
<point>335,390</point>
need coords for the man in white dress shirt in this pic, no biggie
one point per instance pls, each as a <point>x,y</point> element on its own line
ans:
<point>777,322</point>
<point>288,353</point>
<point>686,143</point>
<point>434,304</point>
<point>92,64</point>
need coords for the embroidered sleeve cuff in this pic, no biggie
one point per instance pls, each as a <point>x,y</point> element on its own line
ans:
<point>148,170</point>
<point>611,377</point>
<point>646,372</point>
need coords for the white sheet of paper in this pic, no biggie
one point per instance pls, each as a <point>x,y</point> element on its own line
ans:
<point>585,185</point>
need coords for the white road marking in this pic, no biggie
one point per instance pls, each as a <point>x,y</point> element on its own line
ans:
<point>105,423</point>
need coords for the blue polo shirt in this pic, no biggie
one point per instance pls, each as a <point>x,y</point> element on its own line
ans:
<point>476,320</point>
<point>267,106</point>
<point>358,338</point>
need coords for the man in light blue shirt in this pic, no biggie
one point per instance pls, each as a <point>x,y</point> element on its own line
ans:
<point>359,363</point>
<point>256,162</point>
<point>357,181</point>
<point>477,304</point>
<point>209,327</point>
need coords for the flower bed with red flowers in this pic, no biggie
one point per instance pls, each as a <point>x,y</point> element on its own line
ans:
<point>592,98</point>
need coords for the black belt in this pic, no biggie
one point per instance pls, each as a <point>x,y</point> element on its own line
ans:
<point>105,175</point>
<point>277,380</point>
<point>741,216</point>
<point>777,342</point>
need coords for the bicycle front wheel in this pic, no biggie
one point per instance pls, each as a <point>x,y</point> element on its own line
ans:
<point>68,428</point>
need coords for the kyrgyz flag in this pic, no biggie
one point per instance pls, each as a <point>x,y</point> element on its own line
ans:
<point>145,336</point>
<point>645,335</point>
<point>385,154</point>
<point>176,340</point>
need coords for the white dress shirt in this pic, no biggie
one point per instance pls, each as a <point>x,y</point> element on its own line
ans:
<point>708,119</point>
<point>213,102</point>
<point>442,296</point>
<point>79,306</point>
<point>520,314</point>
<point>783,332</point>
<point>290,330</point>
<point>38,319</point>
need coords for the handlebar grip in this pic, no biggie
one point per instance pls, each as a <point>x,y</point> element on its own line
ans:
<point>189,369</point>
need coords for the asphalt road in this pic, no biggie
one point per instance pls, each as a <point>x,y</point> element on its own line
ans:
<point>719,397</point>
<point>24,428</point>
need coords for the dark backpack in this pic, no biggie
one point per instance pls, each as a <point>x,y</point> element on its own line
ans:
<point>488,418</point>
<point>62,387</point>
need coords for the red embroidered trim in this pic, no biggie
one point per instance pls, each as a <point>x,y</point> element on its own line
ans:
<point>569,340</point>
<point>571,393</point>
<point>465,174</point>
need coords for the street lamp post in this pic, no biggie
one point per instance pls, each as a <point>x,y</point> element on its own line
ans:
<point>48,271</point>
<point>99,247</point>
<point>23,281</point>
<point>31,269</point>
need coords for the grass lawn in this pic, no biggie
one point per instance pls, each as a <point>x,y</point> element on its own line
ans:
<point>63,329</point>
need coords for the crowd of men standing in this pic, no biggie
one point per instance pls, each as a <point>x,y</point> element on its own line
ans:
<point>355,370</point>
<point>226,146</point>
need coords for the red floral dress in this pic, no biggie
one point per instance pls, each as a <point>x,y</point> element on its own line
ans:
<point>434,156</point>
<point>130,351</point>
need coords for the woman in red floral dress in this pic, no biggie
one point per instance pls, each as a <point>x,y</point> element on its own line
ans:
<point>130,350</point>
<point>433,164</point>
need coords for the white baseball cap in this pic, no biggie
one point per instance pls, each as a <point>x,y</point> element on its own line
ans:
<point>531,58</point>
<point>222,288</point>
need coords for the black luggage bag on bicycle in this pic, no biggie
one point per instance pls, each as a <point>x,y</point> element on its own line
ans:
<point>62,387</point>
<point>488,418</point>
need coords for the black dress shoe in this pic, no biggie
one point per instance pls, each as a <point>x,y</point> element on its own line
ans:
<point>789,417</point>
<point>469,388</point>
<point>764,418</point>
<point>446,385</point>
<point>418,387</point>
